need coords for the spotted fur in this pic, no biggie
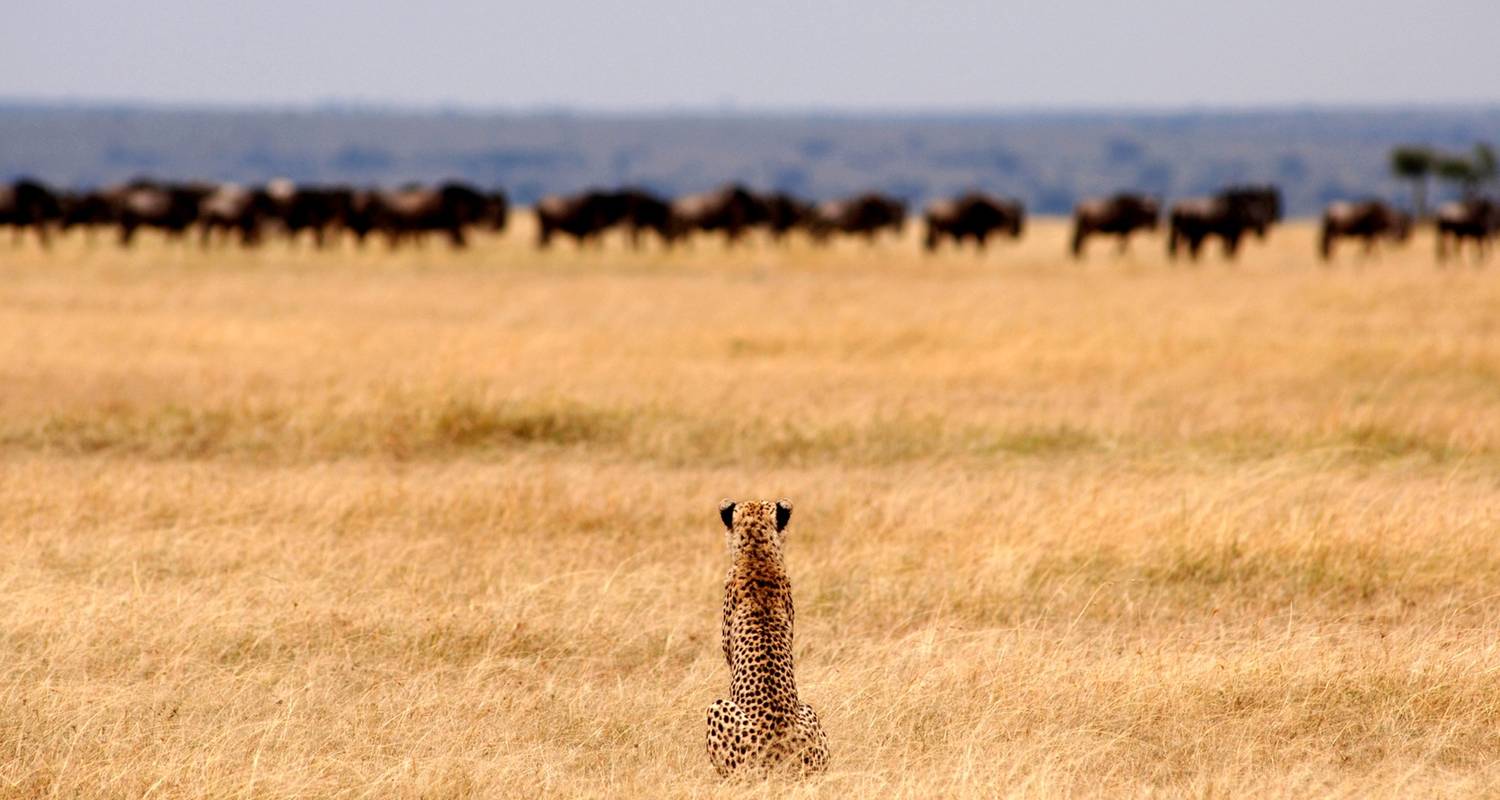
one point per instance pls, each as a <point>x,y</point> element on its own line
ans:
<point>762,727</point>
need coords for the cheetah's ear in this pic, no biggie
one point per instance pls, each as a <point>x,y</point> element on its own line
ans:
<point>726,513</point>
<point>783,514</point>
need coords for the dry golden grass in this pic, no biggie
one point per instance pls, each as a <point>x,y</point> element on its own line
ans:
<point>286,524</point>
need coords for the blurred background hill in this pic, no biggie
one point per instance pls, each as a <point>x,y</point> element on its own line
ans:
<point>1048,159</point>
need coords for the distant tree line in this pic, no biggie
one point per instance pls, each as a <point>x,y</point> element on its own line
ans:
<point>1049,161</point>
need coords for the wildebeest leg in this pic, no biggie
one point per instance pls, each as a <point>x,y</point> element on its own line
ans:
<point>1195,244</point>
<point>1326,240</point>
<point>1231,245</point>
<point>456,236</point>
<point>127,232</point>
<point>1080,234</point>
<point>981,239</point>
<point>1123,245</point>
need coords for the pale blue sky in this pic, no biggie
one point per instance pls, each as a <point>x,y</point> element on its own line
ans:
<point>755,55</point>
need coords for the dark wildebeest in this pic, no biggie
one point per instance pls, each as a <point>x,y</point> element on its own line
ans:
<point>170,208</point>
<point>973,216</point>
<point>1228,216</point>
<point>585,216</point>
<point>411,211</point>
<point>29,204</point>
<point>359,213</point>
<point>731,209</point>
<point>323,210</point>
<point>786,212</point>
<point>1120,215</point>
<point>639,210</point>
<point>1369,220</point>
<point>866,215</point>
<point>1261,205</point>
<point>88,210</point>
<point>470,207</point>
<point>232,208</point>
<point>1476,218</point>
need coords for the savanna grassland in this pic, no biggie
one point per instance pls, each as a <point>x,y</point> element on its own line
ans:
<point>289,524</point>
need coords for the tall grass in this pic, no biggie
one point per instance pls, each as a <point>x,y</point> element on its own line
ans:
<point>423,524</point>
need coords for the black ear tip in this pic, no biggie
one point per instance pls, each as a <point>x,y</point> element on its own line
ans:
<point>726,512</point>
<point>783,513</point>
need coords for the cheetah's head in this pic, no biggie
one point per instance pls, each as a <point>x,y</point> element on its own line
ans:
<point>757,522</point>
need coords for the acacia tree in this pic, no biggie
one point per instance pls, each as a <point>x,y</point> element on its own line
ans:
<point>1415,164</point>
<point>1483,163</point>
<point>1459,171</point>
<point>1468,173</point>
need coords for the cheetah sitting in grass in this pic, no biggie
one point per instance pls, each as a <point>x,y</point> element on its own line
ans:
<point>762,727</point>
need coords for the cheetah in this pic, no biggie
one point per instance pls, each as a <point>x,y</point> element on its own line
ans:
<point>762,727</point>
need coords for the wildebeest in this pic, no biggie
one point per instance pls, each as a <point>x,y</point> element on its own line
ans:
<point>27,203</point>
<point>1261,205</point>
<point>973,216</point>
<point>1227,215</point>
<point>1477,219</point>
<point>171,208</point>
<point>357,211</point>
<point>320,209</point>
<point>1369,220</point>
<point>865,215</point>
<point>88,210</point>
<point>588,215</point>
<point>584,216</point>
<point>1119,215</point>
<point>640,210</point>
<point>470,207</point>
<point>412,211</point>
<point>732,210</point>
<point>232,208</point>
<point>786,212</point>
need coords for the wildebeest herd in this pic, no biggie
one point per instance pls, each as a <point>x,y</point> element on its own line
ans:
<point>731,211</point>
<point>219,213</point>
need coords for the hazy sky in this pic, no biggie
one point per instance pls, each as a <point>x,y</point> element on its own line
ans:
<point>756,54</point>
